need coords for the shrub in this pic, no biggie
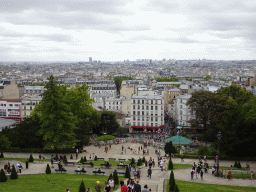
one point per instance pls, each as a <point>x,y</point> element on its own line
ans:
<point>115,178</point>
<point>82,187</point>
<point>95,158</point>
<point>143,160</point>
<point>176,189</point>
<point>239,165</point>
<point>65,158</point>
<point>3,177</point>
<point>204,150</point>
<point>85,159</point>
<point>139,163</point>
<point>71,156</point>
<point>82,159</point>
<point>1,155</point>
<point>170,164</point>
<point>31,159</point>
<point>172,182</point>
<point>132,161</point>
<point>235,165</point>
<point>14,174</point>
<point>48,169</point>
<point>127,173</point>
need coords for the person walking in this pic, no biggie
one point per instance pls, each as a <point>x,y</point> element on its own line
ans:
<point>192,174</point>
<point>137,187</point>
<point>26,163</point>
<point>252,176</point>
<point>124,188</point>
<point>145,189</point>
<point>149,172</point>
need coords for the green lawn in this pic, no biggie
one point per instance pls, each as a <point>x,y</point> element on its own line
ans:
<point>113,163</point>
<point>181,166</point>
<point>185,186</point>
<point>52,182</point>
<point>243,176</point>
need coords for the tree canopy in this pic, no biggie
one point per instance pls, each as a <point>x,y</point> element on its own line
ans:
<point>172,79</point>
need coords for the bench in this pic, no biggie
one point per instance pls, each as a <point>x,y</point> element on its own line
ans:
<point>122,166</point>
<point>69,163</point>
<point>129,159</point>
<point>100,158</point>
<point>80,171</point>
<point>91,165</point>
<point>61,170</point>
<point>121,159</point>
<point>107,166</point>
<point>111,159</point>
<point>99,173</point>
<point>120,173</point>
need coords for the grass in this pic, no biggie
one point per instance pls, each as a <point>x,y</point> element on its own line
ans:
<point>52,182</point>
<point>113,163</point>
<point>240,176</point>
<point>185,186</point>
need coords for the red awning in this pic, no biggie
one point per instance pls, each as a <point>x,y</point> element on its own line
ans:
<point>142,127</point>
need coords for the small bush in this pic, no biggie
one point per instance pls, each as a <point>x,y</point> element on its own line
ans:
<point>71,156</point>
<point>31,159</point>
<point>127,173</point>
<point>115,178</point>
<point>82,159</point>
<point>239,165</point>
<point>110,176</point>
<point>204,150</point>
<point>14,174</point>
<point>3,177</point>
<point>235,165</point>
<point>1,155</point>
<point>65,158</point>
<point>48,169</point>
<point>139,163</point>
<point>170,164</point>
<point>132,161</point>
<point>85,159</point>
<point>143,160</point>
<point>176,189</point>
<point>172,182</point>
<point>95,158</point>
<point>82,187</point>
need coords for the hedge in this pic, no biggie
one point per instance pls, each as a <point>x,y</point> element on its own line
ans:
<point>213,157</point>
<point>34,150</point>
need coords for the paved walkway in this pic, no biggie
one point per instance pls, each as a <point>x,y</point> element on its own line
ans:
<point>158,176</point>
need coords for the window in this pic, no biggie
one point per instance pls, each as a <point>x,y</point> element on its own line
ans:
<point>31,108</point>
<point>142,112</point>
<point>180,106</point>
<point>147,108</point>
<point>24,107</point>
<point>142,118</point>
<point>133,112</point>
<point>138,106</point>
<point>143,124</point>
<point>133,118</point>
<point>151,124</point>
<point>155,107</point>
<point>109,107</point>
<point>152,108</point>
<point>10,105</point>
<point>16,105</point>
<point>138,101</point>
<point>156,124</point>
<point>138,123</point>
<point>181,112</point>
<point>143,107</point>
<point>138,118</point>
<point>156,119</point>
<point>147,113</point>
<point>133,106</point>
<point>133,101</point>
<point>138,113</point>
<point>142,101</point>
<point>151,101</point>
<point>151,118</point>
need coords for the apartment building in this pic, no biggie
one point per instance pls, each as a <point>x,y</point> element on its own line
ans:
<point>28,104</point>
<point>121,105</point>
<point>10,109</point>
<point>104,88</point>
<point>147,113</point>
<point>31,90</point>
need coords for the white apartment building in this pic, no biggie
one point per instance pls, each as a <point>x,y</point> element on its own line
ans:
<point>28,104</point>
<point>10,109</point>
<point>31,90</point>
<point>104,88</point>
<point>182,112</point>
<point>121,105</point>
<point>147,113</point>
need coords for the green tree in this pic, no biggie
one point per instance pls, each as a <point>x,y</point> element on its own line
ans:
<point>176,189</point>
<point>3,177</point>
<point>14,174</point>
<point>110,176</point>
<point>57,121</point>
<point>170,164</point>
<point>169,148</point>
<point>82,186</point>
<point>106,138</point>
<point>172,181</point>
<point>31,159</point>
<point>115,178</point>
<point>207,77</point>
<point>209,108</point>
<point>48,169</point>
<point>173,79</point>
<point>4,142</point>
<point>118,83</point>
<point>108,123</point>
<point>127,173</point>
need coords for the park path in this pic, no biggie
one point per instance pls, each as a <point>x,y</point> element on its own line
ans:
<point>158,176</point>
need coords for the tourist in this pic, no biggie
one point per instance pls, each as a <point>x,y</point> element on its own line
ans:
<point>122,183</point>
<point>26,163</point>
<point>97,186</point>
<point>192,174</point>
<point>201,174</point>
<point>137,187</point>
<point>149,172</point>
<point>252,176</point>
<point>145,189</point>
<point>229,174</point>
<point>124,188</point>
<point>111,183</point>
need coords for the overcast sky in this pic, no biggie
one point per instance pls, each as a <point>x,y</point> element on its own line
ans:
<point>111,30</point>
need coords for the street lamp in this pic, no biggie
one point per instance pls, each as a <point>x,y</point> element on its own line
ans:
<point>218,161</point>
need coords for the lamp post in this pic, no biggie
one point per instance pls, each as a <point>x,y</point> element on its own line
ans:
<point>218,161</point>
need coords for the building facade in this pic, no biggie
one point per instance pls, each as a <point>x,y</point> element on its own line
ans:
<point>10,109</point>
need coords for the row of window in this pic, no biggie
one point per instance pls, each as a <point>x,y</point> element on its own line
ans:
<point>34,91</point>
<point>10,105</point>
<point>147,119</point>
<point>103,88</point>
<point>143,113</point>
<point>116,103</point>
<point>147,107</point>
<point>148,101</point>
<point>146,124</point>
<point>31,108</point>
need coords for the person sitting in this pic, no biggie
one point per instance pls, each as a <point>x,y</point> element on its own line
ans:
<point>99,170</point>
<point>83,169</point>
<point>121,163</point>
<point>78,169</point>
<point>96,170</point>
<point>91,163</point>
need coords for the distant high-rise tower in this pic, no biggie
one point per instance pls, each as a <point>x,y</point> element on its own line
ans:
<point>90,60</point>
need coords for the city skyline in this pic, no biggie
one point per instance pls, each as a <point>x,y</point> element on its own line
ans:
<point>119,30</point>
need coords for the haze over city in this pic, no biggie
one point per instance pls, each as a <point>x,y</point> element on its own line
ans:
<point>109,30</point>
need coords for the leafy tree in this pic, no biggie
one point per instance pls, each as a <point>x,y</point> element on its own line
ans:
<point>85,159</point>
<point>207,77</point>
<point>57,121</point>
<point>115,178</point>
<point>208,107</point>
<point>189,79</point>
<point>127,173</point>
<point>133,161</point>
<point>118,83</point>
<point>1,155</point>
<point>204,150</point>
<point>3,177</point>
<point>108,123</point>
<point>31,159</point>
<point>14,174</point>
<point>173,79</point>
<point>4,142</point>
<point>48,169</point>
<point>169,148</point>
<point>82,159</point>
<point>82,186</point>
<point>95,158</point>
